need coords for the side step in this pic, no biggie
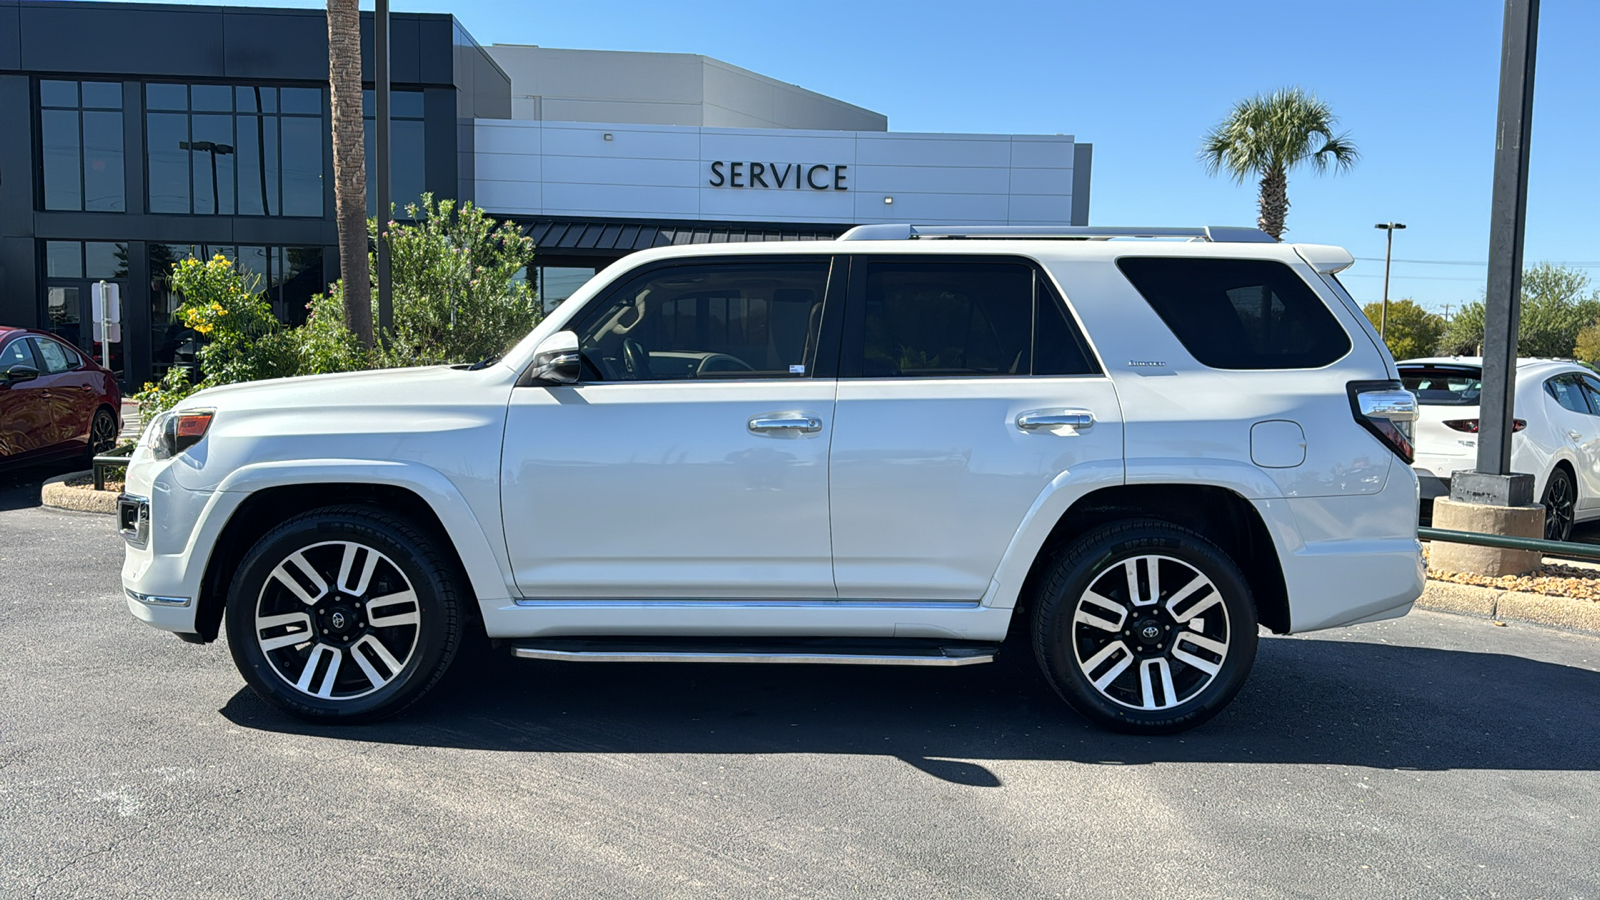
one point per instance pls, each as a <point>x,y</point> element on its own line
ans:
<point>809,651</point>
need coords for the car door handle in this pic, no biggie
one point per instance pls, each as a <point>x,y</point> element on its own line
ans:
<point>1575,435</point>
<point>1078,419</point>
<point>782,422</point>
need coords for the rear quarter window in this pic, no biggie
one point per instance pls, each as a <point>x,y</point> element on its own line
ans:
<point>1239,313</point>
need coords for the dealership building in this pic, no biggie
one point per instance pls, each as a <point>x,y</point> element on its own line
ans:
<point>135,135</point>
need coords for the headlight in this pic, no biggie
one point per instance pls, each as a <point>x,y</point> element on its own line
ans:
<point>175,431</point>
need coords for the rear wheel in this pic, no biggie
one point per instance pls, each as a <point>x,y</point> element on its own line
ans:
<point>102,432</point>
<point>1560,505</point>
<point>1145,627</point>
<point>344,614</point>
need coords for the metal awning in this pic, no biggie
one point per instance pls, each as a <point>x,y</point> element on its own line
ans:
<point>619,236</point>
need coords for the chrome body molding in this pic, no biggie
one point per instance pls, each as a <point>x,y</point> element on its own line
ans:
<point>755,656</point>
<point>752,604</point>
<point>152,600</point>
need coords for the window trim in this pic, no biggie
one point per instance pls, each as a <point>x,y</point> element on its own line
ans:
<point>852,351</point>
<point>827,358</point>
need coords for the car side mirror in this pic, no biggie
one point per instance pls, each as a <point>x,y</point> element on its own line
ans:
<point>557,361</point>
<point>20,373</point>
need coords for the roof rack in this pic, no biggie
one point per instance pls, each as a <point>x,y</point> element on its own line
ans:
<point>1214,233</point>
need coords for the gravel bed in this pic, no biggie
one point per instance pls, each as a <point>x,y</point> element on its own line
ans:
<point>1552,579</point>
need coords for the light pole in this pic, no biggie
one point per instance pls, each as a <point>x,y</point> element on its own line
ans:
<point>1389,230</point>
<point>214,149</point>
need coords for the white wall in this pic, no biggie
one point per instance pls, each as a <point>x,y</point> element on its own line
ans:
<point>664,172</point>
<point>664,89</point>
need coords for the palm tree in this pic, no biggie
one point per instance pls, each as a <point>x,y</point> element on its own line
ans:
<point>350,163</point>
<point>1268,135</point>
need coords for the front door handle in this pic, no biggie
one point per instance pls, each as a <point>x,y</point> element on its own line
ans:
<point>1078,419</point>
<point>797,422</point>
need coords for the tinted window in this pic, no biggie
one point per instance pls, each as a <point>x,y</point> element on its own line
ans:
<point>57,358</point>
<point>80,142</point>
<point>1567,392</point>
<point>963,319</point>
<point>16,353</point>
<point>1591,392</point>
<point>946,319</point>
<point>733,320</point>
<point>1443,385</point>
<point>1239,313</point>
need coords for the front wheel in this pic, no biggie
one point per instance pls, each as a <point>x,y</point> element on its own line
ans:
<point>1145,627</point>
<point>344,614</point>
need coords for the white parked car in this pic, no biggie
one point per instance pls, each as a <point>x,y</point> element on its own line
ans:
<point>1555,431</point>
<point>894,448</point>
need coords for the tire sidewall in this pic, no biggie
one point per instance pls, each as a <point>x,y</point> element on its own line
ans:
<point>1085,562</point>
<point>1572,491</point>
<point>435,639</point>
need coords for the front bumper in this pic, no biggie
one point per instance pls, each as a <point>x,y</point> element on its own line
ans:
<point>168,531</point>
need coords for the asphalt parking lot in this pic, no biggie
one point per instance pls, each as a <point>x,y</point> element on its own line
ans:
<point>1430,756</point>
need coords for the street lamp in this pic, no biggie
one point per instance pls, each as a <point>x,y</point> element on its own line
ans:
<point>1389,229</point>
<point>215,150</point>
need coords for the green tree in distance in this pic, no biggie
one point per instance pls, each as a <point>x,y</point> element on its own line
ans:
<point>1556,306</point>
<point>1268,135</point>
<point>1412,330</point>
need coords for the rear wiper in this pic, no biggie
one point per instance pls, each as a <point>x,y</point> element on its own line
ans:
<point>485,363</point>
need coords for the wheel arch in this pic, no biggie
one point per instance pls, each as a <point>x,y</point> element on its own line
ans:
<point>1222,515</point>
<point>269,506</point>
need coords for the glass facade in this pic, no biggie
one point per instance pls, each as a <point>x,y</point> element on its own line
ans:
<point>71,268</point>
<point>557,283</point>
<point>407,158</point>
<point>80,142</point>
<point>289,277</point>
<point>216,149</point>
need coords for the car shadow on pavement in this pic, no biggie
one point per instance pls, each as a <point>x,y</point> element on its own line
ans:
<point>19,487</point>
<point>1321,702</point>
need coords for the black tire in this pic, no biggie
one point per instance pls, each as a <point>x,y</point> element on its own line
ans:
<point>102,433</point>
<point>361,666</point>
<point>1560,505</point>
<point>1171,681</point>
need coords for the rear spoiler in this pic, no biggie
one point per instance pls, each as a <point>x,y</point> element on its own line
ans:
<point>1325,258</point>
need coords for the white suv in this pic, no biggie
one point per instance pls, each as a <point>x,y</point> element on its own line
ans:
<point>894,448</point>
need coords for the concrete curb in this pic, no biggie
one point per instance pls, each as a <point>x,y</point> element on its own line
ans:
<point>1511,606</point>
<point>56,493</point>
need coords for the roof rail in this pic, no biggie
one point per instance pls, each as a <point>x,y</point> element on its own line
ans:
<point>1214,233</point>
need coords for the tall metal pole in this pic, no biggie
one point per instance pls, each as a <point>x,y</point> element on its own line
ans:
<point>1508,213</point>
<point>380,85</point>
<point>1388,251</point>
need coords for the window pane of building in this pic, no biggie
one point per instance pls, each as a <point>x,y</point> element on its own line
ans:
<point>63,159</point>
<point>302,164</point>
<point>168,162</point>
<point>211,150</point>
<point>557,283</point>
<point>105,259</point>
<point>301,100</point>
<point>63,259</point>
<point>102,95</point>
<point>299,276</point>
<point>408,175</point>
<point>166,96</point>
<point>211,98</point>
<point>252,261</point>
<point>58,93</point>
<point>171,343</point>
<point>61,312</point>
<point>102,162</point>
<point>253,200</point>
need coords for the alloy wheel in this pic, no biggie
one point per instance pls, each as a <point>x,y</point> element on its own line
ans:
<point>1150,632</point>
<point>1559,501</point>
<point>337,620</point>
<point>102,433</point>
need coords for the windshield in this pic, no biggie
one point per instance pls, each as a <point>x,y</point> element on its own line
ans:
<point>1443,385</point>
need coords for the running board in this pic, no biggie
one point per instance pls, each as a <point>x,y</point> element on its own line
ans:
<point>807,651</point>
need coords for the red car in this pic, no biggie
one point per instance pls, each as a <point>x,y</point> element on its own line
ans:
<point>55,402</point>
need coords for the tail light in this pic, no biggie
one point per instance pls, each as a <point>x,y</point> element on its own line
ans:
<point>1388,410</point>
<point>176,432</point>
<point>1470,426</point>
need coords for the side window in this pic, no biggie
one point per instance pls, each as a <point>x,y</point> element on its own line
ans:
<point>714,320</point>
<point>946,319</point>
<point>1058,347</point>
<point>1591,390</point>
<point>1567,392</point>
<point>16,353</point>
<point>56,358</point>
<point>1239,313</point>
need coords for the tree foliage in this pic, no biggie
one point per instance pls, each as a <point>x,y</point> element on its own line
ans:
<point>1267,136</point>
<point>1411,330</point>
<point>1556,307</point>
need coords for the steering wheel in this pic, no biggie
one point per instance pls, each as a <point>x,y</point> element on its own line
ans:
<point>722,362</point>
<point>635,360</point>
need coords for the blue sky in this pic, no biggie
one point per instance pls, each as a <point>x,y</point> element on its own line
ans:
<point>1414,81</point>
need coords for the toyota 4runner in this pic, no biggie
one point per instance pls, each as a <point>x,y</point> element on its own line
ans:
<point>1125,448</point>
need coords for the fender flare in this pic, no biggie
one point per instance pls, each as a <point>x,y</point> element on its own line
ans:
<point>465,533</point>
<point>1066,489</point>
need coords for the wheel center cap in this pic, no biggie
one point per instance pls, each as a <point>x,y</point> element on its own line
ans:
<point>341,620</point>
<point>1150,632</point>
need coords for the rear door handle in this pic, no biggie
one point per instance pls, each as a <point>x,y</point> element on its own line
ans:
<point>799,422</point>
<point>1078,419</point>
